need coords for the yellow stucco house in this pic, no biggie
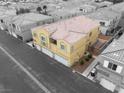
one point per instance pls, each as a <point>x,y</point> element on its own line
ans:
<point>67,40</point>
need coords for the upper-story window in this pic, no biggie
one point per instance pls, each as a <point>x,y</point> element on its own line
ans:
<point>90,34</point>
<point>34,34</point>
<point>112,66</point>
<point>62,46</point>
<point>102,23</point>
<point>53,41</point>
<point>43,40</point>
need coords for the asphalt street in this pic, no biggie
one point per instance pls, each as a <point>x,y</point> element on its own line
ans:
<point>12,80</point>
<point>54,76</point>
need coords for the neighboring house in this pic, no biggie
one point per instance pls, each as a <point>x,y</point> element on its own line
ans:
<point>5,14</point>
<point>108,20</point>
<point>87,8</point>
<point>84,9</point>
<point>20,25</point>
<point>110,71</point>
<point>67,40</point>
<point>118,8</point>
<point>61,14</point>
<point>66,13</point>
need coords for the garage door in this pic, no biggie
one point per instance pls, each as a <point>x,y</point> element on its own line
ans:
<point>108,85</point>
<point>47,52</point>
<point>61,60</point>
<point>121,90</point>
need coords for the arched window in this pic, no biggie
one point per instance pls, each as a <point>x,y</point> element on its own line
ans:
<point>43,39</point>
<point>62,46</point>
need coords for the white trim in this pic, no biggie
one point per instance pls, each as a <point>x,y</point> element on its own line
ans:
<point>106,63</point>
<point>119,69</point>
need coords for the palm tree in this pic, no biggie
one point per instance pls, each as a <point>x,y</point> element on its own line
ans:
<point>45,8</point>
<point>39,9</point>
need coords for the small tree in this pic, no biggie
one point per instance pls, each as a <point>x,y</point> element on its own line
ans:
<point>45,8</point>
<point>39,9</point>
<point>87,58</point>
<point>90,55</point>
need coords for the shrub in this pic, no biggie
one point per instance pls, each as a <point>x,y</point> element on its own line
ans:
<point>81,62</point>
<point>87,58</point>
<point>90,55</point>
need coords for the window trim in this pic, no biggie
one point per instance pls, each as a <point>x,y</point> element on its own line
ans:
<point>63,44</point>
<point>43,42</point>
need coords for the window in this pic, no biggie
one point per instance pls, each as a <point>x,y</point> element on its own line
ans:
<point>112,66</point>
<point>34,34</point>
<point>72,48</point>
<point>90,34</point>
<point>102,23</point>
<point>53,41</point>
<point>62,47</point>
<point>43,40</point>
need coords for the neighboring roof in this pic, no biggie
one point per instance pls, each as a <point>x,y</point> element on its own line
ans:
<point>103,14</point>
<point>115,50</point>
<point>83,9</point>
<point>119,7</point>
<point>29,18</point>
<point>100,4</point>
<point>7,12</point>
<point>71,30</point>
<point>60,13</point>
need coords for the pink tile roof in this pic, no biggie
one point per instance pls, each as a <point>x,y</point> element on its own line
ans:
<point>71,30</point>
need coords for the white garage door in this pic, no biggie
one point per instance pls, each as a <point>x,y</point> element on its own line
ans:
<point>108,85</point>
<point>47,52</point>
<point>121,90</point>
<point>61,60</point>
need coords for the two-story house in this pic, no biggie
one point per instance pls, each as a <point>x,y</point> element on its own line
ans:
<point>110,71</point>
<point>108,20</point>
<point>20,25</point>
<point>67,40</point>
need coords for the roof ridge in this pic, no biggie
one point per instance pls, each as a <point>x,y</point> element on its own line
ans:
<point>112,51</point>
<point>77,32</point>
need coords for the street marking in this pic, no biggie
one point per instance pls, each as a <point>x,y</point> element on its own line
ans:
<point>26,71</point>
